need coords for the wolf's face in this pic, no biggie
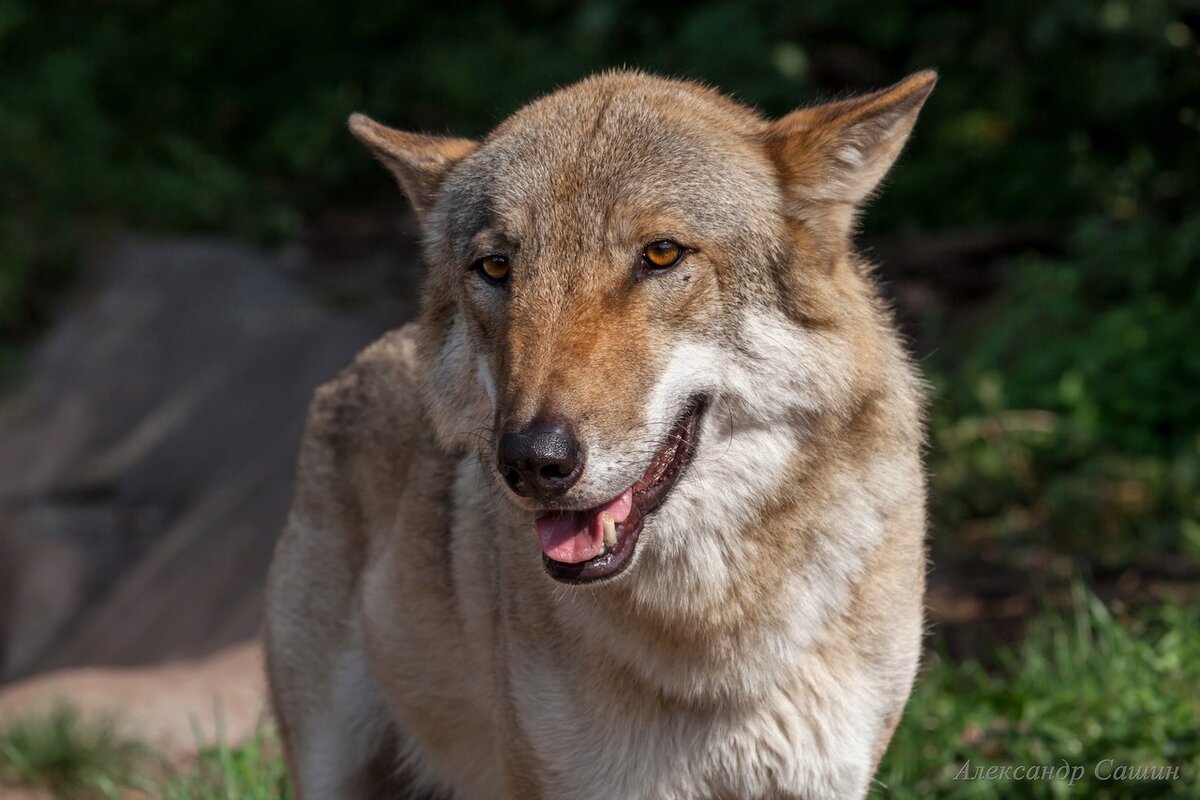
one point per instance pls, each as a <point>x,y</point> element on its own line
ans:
<point>637,294</point>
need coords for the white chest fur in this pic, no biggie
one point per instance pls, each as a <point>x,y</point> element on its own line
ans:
<point>797,741</point>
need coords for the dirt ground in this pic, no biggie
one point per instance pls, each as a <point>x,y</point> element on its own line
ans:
<point>176,708</point>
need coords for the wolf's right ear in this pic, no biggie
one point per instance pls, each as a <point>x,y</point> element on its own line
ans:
<point>418,161</point>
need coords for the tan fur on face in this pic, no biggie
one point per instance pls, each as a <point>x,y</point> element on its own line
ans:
<point>763,642</point>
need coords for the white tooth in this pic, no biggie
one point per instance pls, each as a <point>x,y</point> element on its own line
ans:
<point>610,530</point>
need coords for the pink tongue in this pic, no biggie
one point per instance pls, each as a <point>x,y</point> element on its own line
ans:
<point>572,537</point>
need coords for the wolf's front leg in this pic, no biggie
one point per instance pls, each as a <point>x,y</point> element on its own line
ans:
<point>336,734</point>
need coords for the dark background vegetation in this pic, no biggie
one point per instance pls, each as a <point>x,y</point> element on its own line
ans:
<point>1041,236</point>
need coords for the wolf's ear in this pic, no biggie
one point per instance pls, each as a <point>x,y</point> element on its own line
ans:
<point>837,153</point>
<point>418,161</point>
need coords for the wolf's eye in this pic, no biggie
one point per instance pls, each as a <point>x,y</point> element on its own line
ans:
<point>662,254</point>
<point>493,268</point>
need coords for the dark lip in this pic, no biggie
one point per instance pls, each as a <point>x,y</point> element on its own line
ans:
<point>649,492</point>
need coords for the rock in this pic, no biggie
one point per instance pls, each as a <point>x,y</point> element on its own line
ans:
<point>146,461</point>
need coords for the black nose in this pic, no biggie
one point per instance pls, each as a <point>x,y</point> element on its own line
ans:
<point>542,460</point>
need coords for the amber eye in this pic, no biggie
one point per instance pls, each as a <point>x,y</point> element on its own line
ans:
<point>493,268</point>
<point>662,254</point>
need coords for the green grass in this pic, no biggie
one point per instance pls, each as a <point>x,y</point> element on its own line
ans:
<point>252,771</point>
<point>62,755</point>
<point>1080,689</point>
<point>68,758</point>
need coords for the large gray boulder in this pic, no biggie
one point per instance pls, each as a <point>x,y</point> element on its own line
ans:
<point>146,457</point>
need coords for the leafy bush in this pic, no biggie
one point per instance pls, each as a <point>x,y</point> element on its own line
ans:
<point>1067,421</point>
<point>203,114</point>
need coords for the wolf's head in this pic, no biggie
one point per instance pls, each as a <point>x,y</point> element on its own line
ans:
<point>641,295</point>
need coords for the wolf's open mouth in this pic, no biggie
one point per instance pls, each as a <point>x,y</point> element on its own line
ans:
<point>597,543</point>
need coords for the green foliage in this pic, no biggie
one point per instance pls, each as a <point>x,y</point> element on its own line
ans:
<point>202,114</point>
<point>1068,421</point>
<point>69,758</point>
<point>252,771</point>
<point>1085,687</point>
<point>1081,689</point>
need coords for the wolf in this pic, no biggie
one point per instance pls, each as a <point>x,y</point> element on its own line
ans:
<point>635,508</point>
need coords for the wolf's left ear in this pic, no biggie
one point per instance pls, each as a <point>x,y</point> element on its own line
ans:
<point>418,161</point>
<point>837,153</point>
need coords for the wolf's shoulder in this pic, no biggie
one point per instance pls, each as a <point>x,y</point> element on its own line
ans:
<point>378,387</point>
<point>362,424</point>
